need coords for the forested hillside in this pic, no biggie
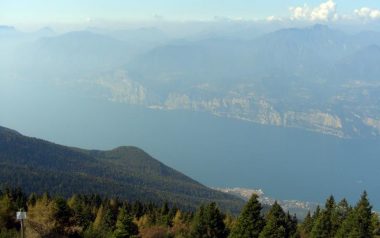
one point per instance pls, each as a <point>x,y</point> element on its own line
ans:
<point>125,172</point>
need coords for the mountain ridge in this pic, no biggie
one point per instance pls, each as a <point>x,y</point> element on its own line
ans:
<point>126,172</point>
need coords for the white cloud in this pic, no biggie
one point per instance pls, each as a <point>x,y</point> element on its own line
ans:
<point>327,11</point>
<point>368,13</point>
<point>324,12</point>
<point>300,13</point>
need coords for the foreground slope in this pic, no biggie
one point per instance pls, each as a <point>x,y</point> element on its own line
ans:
<point>126,172</point>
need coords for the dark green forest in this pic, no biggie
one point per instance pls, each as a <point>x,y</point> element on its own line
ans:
<point>126,172</point>
<point>94,216</point>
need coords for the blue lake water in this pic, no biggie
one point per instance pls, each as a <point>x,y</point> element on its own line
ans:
<point>218,152</point>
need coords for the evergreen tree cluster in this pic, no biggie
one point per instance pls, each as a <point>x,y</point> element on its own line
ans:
<point>340,220</point>
<point>253,224</point>
<point>91,216</point>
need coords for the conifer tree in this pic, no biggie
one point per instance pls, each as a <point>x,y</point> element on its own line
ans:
<point>177,219</point>
<point>347,226</point>
<point>307,224</point>
<point>42,215</point>
<point>99,218</point>
<point>317,213</point>
<point>125,227</point>
<point>18,198</point>
<point>32,199</point>
<point>323,225</point>
<point>215,225</point>
<point>101,226</point>
<point>138,209</point>
<point>291,226</point>
<point>61,213</point>
<point>363,218</point>
<point>199,228</point>
<point>208,223</point>
<point>376,224</point>
<point>275,223</point>
<point>341,214</point>
<point>343,210</point>
<point>250,222</point>
<point>230,222</point>
<point>172,213</point>
<point>164,217</point>
<point>359,221</point>
<point>165,208</point>
<point>6,212</point>
<point>81,213</point>
<point>109,218</point>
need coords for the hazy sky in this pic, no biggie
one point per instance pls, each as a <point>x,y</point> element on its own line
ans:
<point>23,12</point>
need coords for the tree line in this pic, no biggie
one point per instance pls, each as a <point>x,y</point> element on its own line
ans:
<point>91,216</point>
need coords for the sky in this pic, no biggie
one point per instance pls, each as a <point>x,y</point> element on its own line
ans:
<point>42,12</point>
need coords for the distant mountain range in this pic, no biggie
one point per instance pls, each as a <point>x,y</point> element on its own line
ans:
<point>316,78</point>
<point>125,172</point>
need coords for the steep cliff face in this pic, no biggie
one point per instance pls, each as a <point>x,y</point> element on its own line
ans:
<point>249,104</point>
